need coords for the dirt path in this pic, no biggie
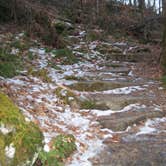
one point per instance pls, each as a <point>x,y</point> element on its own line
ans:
<point>118,118</point>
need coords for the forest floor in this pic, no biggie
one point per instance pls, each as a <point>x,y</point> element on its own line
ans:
<point>99,92</point>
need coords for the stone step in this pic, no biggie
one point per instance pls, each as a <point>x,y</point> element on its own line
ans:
<point>98,85</point>
<point>116,102</point>
<point>121,120</point>
<point>146,151</point>
<point>132,57</point>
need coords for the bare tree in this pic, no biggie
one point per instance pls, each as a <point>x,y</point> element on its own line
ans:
<point>163,53</point>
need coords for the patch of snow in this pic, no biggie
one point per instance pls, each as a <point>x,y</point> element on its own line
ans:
<point>21,34</point>
<point>120,44</point>
<point>93,148</point>
<point>16,82</point>
<point>5,130</point>
<point>109,112</point>
<point>10,151</point>
<point>14,51</point>
<point>131,74</point>
<point>102,113</point>
<point>70,98</point>
<point>27,119</point>
<point>93,45</point>
<point>40,51</point>
<point>46,148</point>
<point>82,33</point>
<point>150,126</point>
<point>124,90</point>
<point>146,129</point>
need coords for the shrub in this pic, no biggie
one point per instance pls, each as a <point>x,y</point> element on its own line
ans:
<point>9,64</point>
<point>62,147</point>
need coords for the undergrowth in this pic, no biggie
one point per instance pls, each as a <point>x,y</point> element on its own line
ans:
<point>88,104</point>
<point>62,147</point>
<point>163,79</point>
<point>10,65</point>
<point>42,74</point>
<point>65,56</point>
<point>65,95</point>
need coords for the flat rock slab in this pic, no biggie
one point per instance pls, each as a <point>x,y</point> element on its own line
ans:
<point>150,151</point>
<point>116,70</point>
<point>116,102</point>
<point>121,120</point>
<point>92,86</point>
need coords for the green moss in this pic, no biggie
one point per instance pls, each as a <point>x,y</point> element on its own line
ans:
<point>9,64</point>
<point>2,150</point>
<point>94,86</point>
<point>42,73</point>
<point>21,45</point>
<point>93,35</point>
<point>62,147</point>
<point>53,65</point>
<point>48,49</point>
<point>25,136</point>
<point>65,56</point>
<point>90,104</point>
<point>31,56</point>
<point>65,95</point>
<point>163,79</point>
<point>72,77</point>
<point>60,27</point>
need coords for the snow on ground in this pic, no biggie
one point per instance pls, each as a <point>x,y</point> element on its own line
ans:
<point>151,126</point>
<point>109,112</point>
<point>5,129</point>
<point>40,104</point>
<point>124,90</point>
<point>10,151</point>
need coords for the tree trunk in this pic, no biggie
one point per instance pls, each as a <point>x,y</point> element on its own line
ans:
<point>130,2</point>
<point>13,10</point>
<point>163,53</point>
<point>159,7</point>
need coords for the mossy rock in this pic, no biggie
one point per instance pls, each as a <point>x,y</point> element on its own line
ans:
<point>62,26</point>
<point>95,86</point>
<point>72,77</point>
<point>20,140</point>
<point>91,104</point>
<point>65,95</point>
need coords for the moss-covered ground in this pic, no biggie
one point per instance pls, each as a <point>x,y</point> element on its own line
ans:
<point>25,136</point>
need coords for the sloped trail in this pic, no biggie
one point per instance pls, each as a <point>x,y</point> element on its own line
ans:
<point>126,123</point>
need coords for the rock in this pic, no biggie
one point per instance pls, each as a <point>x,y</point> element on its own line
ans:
<point>120,121</point>
<point>124,70</point>
<point>19,140</point>
<point>61,26</point>
<point>92,86</point>
<point>114,102</point>
<point>147,151</point>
